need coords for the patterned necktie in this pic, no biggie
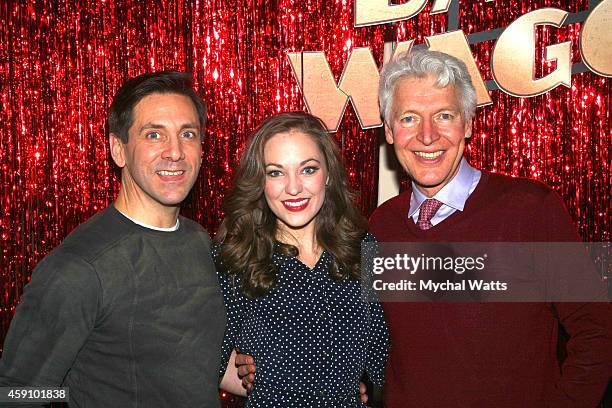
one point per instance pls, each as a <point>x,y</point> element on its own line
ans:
<point>428,209</point>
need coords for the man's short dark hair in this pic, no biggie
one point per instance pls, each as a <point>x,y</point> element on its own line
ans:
<point>164,82</point>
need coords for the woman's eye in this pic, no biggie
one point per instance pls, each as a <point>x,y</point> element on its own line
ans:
<point>310,170</point>
<point>274,173</point>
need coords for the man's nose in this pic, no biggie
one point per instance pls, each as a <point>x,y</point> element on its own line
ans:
<point>428,133</point>
<point>173,150</point>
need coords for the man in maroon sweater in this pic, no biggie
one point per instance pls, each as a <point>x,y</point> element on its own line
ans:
<point>475,354</point>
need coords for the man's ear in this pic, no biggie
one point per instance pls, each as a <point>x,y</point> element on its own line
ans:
<point>468,130</point>
<point>388,134</point>
<point>117,149</point>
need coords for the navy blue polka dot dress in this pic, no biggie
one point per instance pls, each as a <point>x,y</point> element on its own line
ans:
<point>312,338</point>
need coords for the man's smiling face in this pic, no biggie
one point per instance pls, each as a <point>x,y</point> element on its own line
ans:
<point>161,160</point>
<point>427,130</point>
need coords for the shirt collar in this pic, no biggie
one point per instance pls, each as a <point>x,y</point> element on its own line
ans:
<point>142,224</point>
<point>454,194</point>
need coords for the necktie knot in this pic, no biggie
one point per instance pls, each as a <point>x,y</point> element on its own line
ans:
<point>428,209</point>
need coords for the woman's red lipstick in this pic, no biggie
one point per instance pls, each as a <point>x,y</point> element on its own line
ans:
<point>296,204</point>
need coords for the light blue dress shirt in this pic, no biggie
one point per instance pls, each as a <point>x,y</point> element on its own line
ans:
<point>452,196</point>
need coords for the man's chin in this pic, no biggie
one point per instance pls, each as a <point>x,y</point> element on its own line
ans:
<point>172,200</point>
<point>429,184</point>
<point>172,204</point>
<point>173,196</point>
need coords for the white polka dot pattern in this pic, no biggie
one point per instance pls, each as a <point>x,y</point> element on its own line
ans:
<point>312,338</point>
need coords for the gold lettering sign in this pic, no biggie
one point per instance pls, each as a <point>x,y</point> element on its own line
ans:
<point>359,83</point>
<point>360,77</point>
<point>455,44</point>
<point>595,46</point>
<point>404,46</point>
<point>513,58</point>
<point>440,7</point>
<point>512,62</point>
<point>371,12</point>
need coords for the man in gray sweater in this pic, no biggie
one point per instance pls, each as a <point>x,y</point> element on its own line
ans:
<point>127,311</point>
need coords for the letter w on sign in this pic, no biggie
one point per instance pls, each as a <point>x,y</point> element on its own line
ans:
<point>325,99</point>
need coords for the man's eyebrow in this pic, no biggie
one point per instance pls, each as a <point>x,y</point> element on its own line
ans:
<point>151,126</point>
<point>191,126</point>
<point>159,126</point>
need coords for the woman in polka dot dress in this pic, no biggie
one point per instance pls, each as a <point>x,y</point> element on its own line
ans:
<point>289,264</point>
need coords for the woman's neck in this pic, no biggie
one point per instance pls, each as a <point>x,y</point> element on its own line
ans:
<point>309,250</point>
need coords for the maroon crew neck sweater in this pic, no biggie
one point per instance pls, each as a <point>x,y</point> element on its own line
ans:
<point>493,354</point>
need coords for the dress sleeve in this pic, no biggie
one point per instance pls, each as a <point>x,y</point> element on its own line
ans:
<point>378,346</point>
<point>234,304</point>
<point>378,341</point>
<point>57,312</point>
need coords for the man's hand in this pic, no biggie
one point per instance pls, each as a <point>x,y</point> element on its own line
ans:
<point>245,365</point>
<point>363,393</point>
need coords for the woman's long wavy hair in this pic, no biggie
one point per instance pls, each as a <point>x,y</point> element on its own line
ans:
<point>249,230</point>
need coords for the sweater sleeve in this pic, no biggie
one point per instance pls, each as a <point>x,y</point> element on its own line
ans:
<point>57,312</point>
<point>587,368</point>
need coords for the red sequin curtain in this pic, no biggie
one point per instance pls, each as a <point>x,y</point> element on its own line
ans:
<point>62,61</point>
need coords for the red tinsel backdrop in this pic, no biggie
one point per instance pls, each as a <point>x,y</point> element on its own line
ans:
<point>62,61</point>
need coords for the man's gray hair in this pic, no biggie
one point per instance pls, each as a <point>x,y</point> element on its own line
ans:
<point>421,63</point>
